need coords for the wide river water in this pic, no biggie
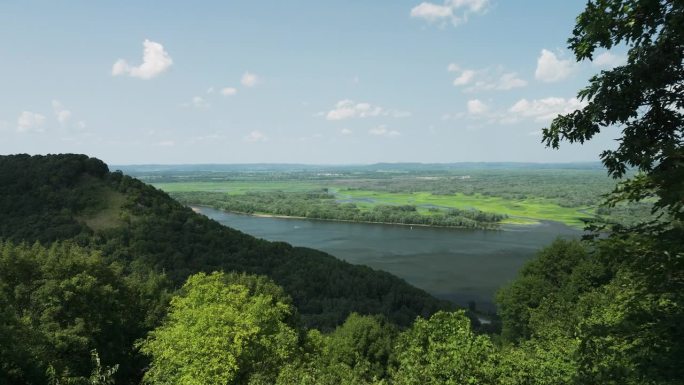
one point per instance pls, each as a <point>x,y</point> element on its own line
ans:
<point>455,264</point>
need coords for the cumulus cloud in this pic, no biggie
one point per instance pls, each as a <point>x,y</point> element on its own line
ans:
<point>62,114</point>
<point>476,107</point>
<point>346,131</point>
<point>454,11</point>
<point>228,91</point>
<point>347,109</point>
<point>508,81</point>
<point>30,122</point>
<point>550,68</point>
<point>607,60</point>
<point>166,143</point>
<point>485,79</point>
<point>256,136</point>
<point>249,79</point>
<point>538,110</point>
<point>154,62</point>
<point>432,12</point>
<point>382,130</point>
<point>543,110</point>
<point>464,78</point>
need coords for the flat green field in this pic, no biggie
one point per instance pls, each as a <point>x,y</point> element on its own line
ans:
<point>519,211</point>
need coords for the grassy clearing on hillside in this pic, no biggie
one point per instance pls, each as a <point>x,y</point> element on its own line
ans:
<point>108,216</point>
<point>520,211</point>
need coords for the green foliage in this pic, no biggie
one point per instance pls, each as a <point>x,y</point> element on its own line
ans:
<point>595,315</point>
<point>642,97</point>
<point>59,304</point>
<point>99,375</point>
<point>39,194</point>
<point>219,332</point>
<point>630,329</point>
<point>363,342</point>
<point>317,365</point>
<point>538,361</point>
<point>444,350</point>
<point>559,273</point>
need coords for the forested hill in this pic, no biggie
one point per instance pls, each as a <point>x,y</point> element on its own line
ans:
<point>74,197</point>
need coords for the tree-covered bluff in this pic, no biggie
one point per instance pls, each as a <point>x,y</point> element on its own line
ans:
<point>74,197</point>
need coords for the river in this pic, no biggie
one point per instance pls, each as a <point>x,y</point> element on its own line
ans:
<point>455,264</point>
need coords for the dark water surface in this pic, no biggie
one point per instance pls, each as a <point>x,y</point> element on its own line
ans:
<point>459,265</point>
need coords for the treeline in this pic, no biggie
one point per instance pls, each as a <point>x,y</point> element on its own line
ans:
<point>322,205</point>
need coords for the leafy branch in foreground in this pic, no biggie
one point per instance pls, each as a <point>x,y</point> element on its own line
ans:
<point>644,98</point>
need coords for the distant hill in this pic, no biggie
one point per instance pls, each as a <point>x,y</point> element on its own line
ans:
<point>74,197</point>
<point>376,167</point>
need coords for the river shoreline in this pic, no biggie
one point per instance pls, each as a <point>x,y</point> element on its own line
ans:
<point>195,208</point>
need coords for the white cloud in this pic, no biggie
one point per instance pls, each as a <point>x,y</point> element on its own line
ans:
<point>607,60</point>
<point>552,69</point>
<point>485,79</point>
<point>382,130</point>
<point>30,121</point>
<point>510,80</point>
<point>62,114</point>
<point>347,109</point>
<point>166,143</point>
<point>543,110</point>
<point>256,136</point>
<point>454,11</point>
<point>155,61</point>
<point>346,131</point>
<point>476,107</point>
<point>228,91</point>
<point>466,77</point>
<point>432,12</point>
<point>198,102</point>
<point>249,79</point>
<point>538,110</point>
<point>210,90</point>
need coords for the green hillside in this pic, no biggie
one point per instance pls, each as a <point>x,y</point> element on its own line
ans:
<point>60,197</point>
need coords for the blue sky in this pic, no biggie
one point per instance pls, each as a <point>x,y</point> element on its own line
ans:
<point>296,82</point>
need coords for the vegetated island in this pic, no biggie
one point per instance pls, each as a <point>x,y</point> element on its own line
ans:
<point>323,205</point>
